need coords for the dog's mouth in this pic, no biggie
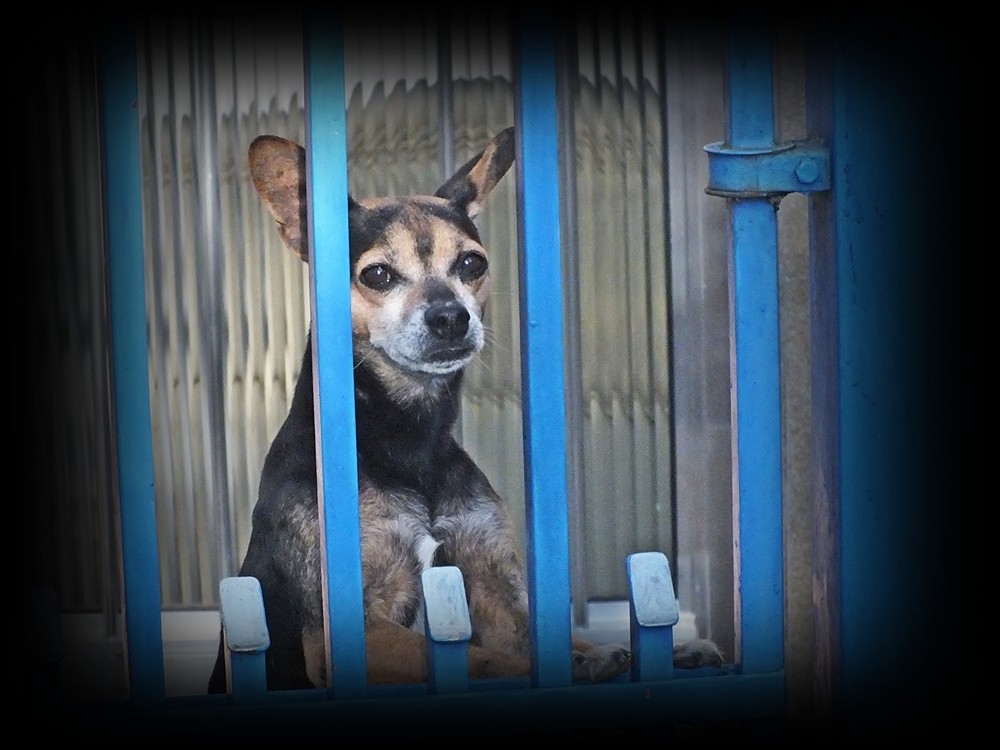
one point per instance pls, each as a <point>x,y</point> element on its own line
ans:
<point>418,348</point>
<point>442,360</point>
<point>436,360</point>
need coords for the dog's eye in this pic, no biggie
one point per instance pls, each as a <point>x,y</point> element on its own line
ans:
<point>377,277</point>
<point>471,266</point>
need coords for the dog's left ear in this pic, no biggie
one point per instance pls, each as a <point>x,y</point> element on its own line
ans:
<point>278,171</point>
<point>469,187</point>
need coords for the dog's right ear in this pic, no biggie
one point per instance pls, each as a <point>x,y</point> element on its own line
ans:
<point>278,170</point>
<point>470,185</point>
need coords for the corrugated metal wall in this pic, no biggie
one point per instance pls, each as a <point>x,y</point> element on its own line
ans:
<point>228,308</point>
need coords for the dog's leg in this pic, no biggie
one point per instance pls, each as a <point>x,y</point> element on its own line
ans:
<point>398,655</point>
<point>395,653</point>
<point>695,653</point>
<point>606,661</point>
<point>599,662</point>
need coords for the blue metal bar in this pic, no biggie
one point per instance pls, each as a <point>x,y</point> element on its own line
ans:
<point>123,217</point>
<point>757,366</point>
<point>246,636</point>
<point>623,705</point>
<point>750,122</point>
<point>448,629</point>
<point>332,350</point>
<point>542,354</point>
<point>894,182</point>
<point>653,614</point>
<point>249,676</point>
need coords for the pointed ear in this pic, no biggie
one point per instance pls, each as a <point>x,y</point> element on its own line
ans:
<point>278,170</point>
<point>469,187</point>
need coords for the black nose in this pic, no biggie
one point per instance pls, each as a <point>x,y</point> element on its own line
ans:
<point>448,321</point>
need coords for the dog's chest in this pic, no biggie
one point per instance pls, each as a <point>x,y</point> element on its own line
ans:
<point>396,530</point>
<point>397,545</point>
<point>424,545</point>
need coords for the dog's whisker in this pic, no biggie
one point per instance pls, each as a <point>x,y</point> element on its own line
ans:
<point>493,339</point>
<point>481,362</point>
<point>362,361</point>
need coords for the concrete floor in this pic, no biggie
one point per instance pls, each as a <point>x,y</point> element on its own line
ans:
<point>92,667</point>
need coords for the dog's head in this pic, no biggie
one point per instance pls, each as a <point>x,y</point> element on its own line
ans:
<point>419,272</point>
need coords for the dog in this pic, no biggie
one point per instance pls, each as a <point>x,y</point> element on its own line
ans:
<point>419,285</point>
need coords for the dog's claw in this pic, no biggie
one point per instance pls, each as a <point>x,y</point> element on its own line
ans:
<point>601,663</point>
<point>697,653</point>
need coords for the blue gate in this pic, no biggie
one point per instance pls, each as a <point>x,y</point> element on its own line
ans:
<point>851,373</point>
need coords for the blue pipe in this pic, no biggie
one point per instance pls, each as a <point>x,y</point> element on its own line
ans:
<point>542,370</point>
<point>332,349</point>
<point>133,426</point>
<point>902,522</point>
<point>757,367</point>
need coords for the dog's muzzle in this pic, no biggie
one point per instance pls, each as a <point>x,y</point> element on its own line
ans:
<point>447,321</point>
<point>448,345</point>
<point>438,339</point>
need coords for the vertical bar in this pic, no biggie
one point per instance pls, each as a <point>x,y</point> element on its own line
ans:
<point>210,300</point>
<point>653,614</point>
<point>568,83</point>
<point>542,353</point>
<point>133,431</point>
<point>825,383</point>
<point>332,351</point>
<point>446,117</point>
<point>448,629</point>
<point>888,276</point>
<point>249,676</point>
<point>246,636</point>
<point>756,361</point>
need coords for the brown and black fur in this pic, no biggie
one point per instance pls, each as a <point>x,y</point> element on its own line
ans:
<point>419,285</point>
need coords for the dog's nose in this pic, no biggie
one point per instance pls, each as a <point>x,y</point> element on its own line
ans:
<point>447,320</point>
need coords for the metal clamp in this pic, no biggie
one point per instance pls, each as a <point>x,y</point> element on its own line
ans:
<point>796,167</point>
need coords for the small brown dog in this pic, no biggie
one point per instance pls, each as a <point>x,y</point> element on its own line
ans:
<point>419,284</point>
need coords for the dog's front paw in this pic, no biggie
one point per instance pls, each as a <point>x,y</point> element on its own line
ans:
<point>601,663</point>
<point>697,653</point>
<point>484,663</point>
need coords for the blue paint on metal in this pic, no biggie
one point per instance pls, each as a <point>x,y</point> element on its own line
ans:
<point>241,606</point>
<point>750,123</point>
<point>329,253</point>
<point>799,167</point>
<point>447,668</point>
<point>651,587</point>
<point>758,411</point>
<point>123,216</point>
<point>542,355</point>
<point>448,629</point>
<point>446,611</point>
<point>652,653</point>
<point>626,706</point>
<point>891,226</point>
<point>757,367</point>
<point>653,613</point>
<point>248,676</point>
